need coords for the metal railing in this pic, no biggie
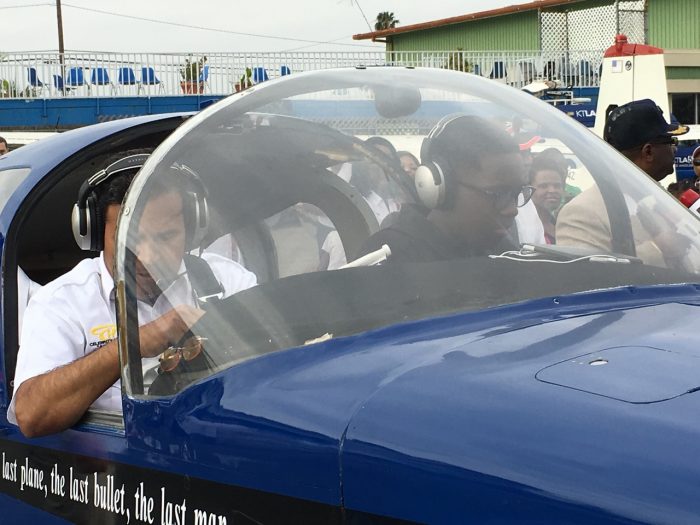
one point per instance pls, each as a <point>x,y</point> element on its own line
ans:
<point>102,74</point>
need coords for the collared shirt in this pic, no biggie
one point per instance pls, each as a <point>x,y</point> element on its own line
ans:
<point>76,314</point>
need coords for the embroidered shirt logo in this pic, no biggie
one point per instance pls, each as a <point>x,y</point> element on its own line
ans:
<point>104,333</point>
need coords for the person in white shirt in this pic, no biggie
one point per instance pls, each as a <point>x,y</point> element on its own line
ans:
<point>68,359</point>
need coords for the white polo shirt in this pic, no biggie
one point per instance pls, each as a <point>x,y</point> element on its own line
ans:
<point>75,315</point>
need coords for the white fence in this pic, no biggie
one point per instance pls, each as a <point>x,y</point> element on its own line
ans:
<point>94,74</point>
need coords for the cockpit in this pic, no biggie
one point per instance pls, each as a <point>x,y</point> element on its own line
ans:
<point>300,182</point>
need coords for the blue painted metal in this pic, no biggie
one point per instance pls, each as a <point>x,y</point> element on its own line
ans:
<point>482,436</point>
<point>290,411</point>
<point>306,423</point>
<point>70,112</point>
<point>14,511</point>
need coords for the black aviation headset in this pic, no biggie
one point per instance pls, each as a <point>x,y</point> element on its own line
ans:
<point>87,218</point>
<point>433,176</point>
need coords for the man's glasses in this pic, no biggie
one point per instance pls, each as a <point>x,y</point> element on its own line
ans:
<point>502,199</point>
<point>696,162</point>
<point>172,356</point>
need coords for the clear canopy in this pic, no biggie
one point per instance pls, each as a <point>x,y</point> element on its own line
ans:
<point>331,203</point>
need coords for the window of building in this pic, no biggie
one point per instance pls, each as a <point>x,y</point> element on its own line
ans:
<point>685,107</point>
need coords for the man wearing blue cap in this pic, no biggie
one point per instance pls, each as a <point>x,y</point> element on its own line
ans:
<point>640,132</point>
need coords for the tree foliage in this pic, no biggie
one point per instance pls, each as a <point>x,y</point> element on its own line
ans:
<point>385,20</point>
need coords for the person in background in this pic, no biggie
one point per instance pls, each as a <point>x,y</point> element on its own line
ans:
<point>677,188</point>
<point>547,177</point>
<point>563,166</point>
<point>409,163</point>
<point>640,132</point>
<point>4,148</point>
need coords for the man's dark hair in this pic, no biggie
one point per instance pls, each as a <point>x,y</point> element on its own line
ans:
<point>467,140</point>
<point>114,190</point>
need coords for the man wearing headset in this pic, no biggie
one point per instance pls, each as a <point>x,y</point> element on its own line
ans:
<point>68,359</point>
<point>472,180</point>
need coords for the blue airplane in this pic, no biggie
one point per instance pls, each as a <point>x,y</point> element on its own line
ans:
<point>412,349</point>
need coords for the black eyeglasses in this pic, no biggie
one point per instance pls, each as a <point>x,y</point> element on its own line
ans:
<point>502,199</point>
<point>696,162</point>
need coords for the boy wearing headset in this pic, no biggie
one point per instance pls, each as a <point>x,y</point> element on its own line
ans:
<point>68,359</point>
<point>472,181</point>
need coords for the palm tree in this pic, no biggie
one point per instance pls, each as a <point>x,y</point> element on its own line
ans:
<point>385,20</point>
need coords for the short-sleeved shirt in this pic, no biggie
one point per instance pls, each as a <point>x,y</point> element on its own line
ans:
<point>75,315</point>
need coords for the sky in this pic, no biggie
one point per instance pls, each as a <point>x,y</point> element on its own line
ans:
<point>223,25</point>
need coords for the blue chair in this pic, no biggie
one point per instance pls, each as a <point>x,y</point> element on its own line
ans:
<point>75,78</point>
<point>100,77</point>
<point>204,78</point>
<point>498,72</point>
<point>284,71</point>
<point>260,75</point>
<point>127,77</point>
<point>149,78</point>
<point>34,80</point>
<point>59,86</point>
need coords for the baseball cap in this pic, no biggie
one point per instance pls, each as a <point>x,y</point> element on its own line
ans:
<point>696,152</point>
<point>636,123</point>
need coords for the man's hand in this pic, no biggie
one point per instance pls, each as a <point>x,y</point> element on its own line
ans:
<point>168,329</point>
<point>673,246</point>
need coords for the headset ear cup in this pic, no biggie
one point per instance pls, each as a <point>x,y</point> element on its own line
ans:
<point>87,220</point>
<point>196,216</point>
<point>430,185</point>
<point>96,225</point>
<point>80,226</point>
<point>88,225</point>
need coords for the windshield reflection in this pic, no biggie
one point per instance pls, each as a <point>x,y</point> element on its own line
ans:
<point>304,176</point>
